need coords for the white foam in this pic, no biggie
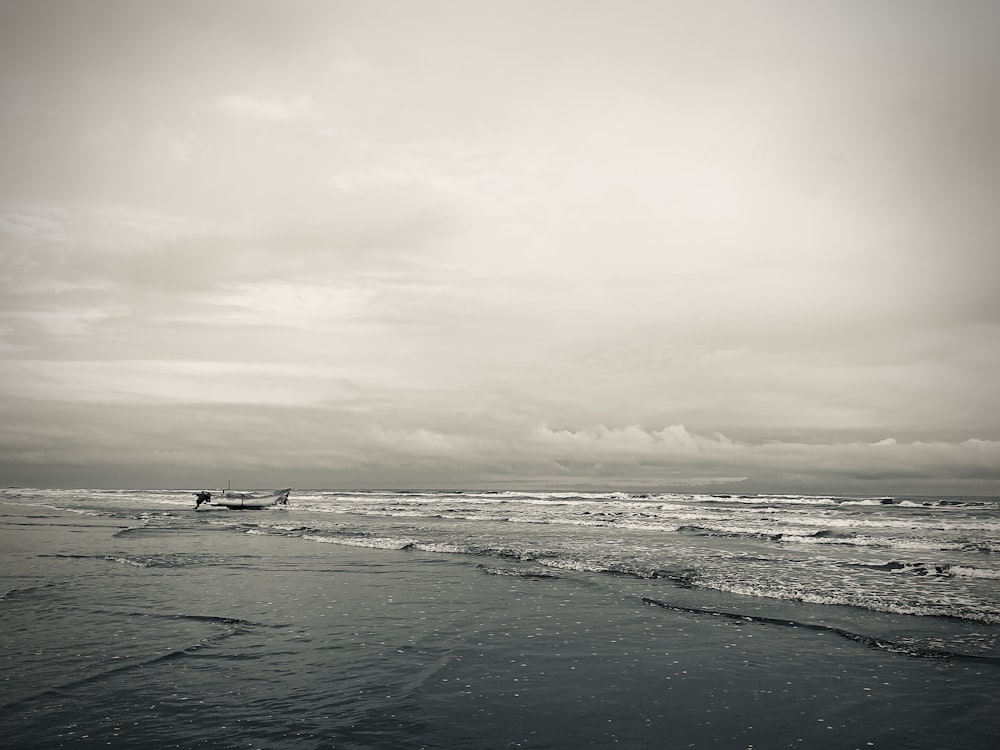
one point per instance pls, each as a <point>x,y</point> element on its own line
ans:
<point>876,603</point>
<point>970,572</point>
<point>442,547</point>
<point>129,561</point>
<point>373,543</point>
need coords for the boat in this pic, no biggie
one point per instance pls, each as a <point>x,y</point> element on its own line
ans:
<point>243,500</point>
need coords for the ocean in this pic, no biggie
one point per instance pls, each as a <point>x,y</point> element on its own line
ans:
<point>440,619</point>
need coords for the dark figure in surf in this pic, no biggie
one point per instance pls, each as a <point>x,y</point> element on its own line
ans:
<point>202,497</point>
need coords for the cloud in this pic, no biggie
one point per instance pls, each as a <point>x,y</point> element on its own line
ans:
<point>368,444</point>
<point>299,109</point>
<point>497,248</point>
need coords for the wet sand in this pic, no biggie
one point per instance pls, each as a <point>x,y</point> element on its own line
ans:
<point>199,636</point>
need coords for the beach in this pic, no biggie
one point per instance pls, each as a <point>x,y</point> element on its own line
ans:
<point>162,627</point>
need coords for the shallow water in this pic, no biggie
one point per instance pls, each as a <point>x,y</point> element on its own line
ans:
<point>340,622</point>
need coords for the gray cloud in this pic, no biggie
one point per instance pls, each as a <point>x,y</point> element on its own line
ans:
<point>387,444</point>
<point>479,243</point>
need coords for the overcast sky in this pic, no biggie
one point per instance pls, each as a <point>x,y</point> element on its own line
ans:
<point>708,246</point>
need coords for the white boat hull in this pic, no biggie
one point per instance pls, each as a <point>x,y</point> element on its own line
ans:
<point>242,501</point>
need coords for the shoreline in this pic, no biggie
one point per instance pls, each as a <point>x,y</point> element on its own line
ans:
<point>237,638</point>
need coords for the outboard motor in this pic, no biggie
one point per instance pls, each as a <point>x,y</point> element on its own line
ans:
<point>202,497</point>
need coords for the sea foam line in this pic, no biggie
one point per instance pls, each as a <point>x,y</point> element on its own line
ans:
<point>865,640</point>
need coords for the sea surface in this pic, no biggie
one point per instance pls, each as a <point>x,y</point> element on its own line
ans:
<point>371,619</point>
